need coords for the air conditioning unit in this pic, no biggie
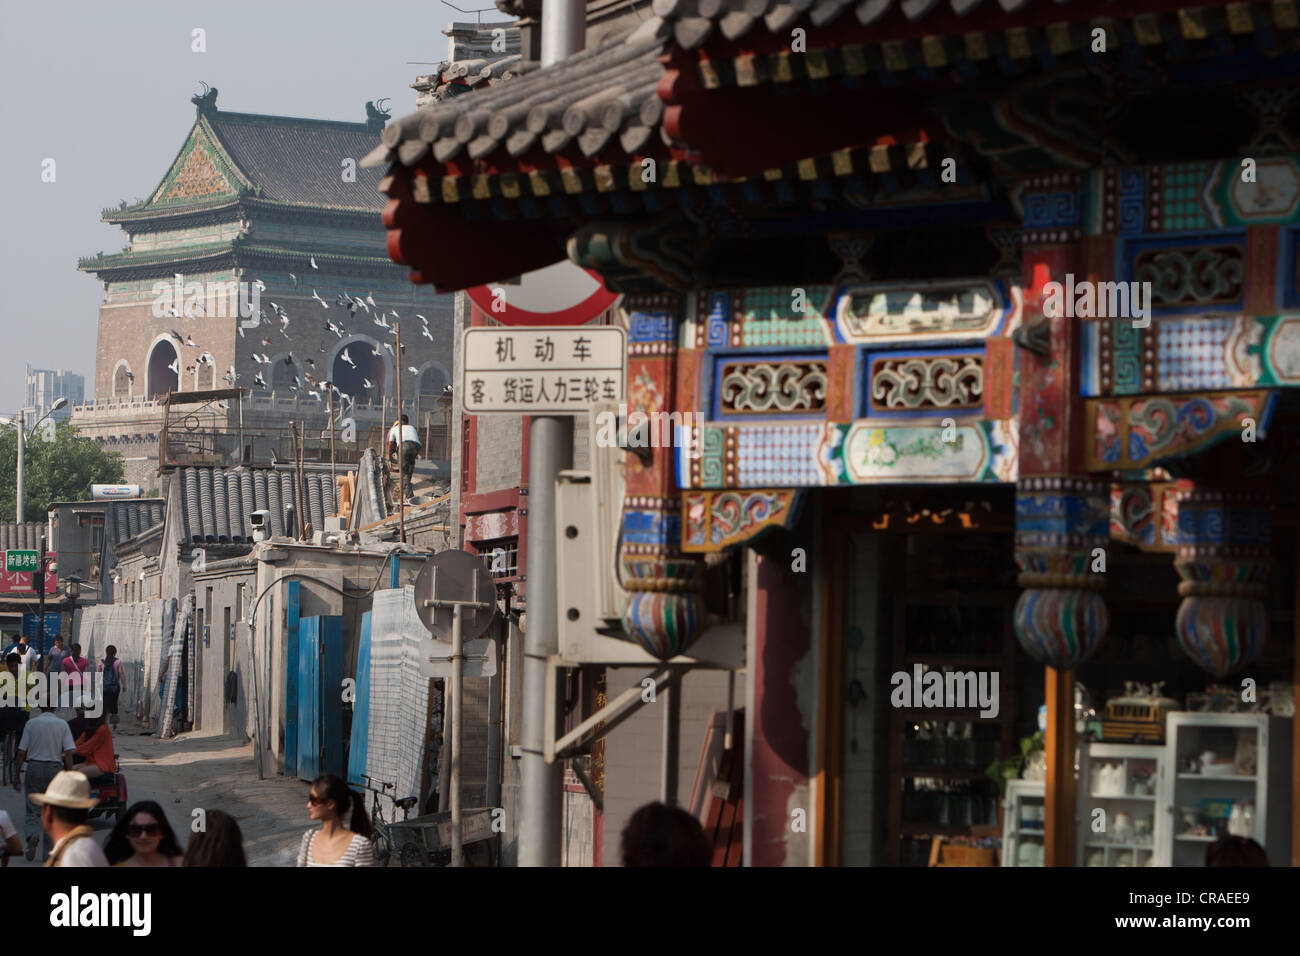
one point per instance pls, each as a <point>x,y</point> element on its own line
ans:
<point>588,513</point>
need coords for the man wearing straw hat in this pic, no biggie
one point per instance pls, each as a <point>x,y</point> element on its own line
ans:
<point>65,808</point>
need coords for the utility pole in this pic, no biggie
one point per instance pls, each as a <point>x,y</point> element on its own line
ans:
<point>550,451</point>
<point>40,591</point>
<point>22,455</point>
<point>401,433</point>
<point>334,481</point>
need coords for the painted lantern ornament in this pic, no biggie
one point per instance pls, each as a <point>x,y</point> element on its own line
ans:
<point>1060,627</point>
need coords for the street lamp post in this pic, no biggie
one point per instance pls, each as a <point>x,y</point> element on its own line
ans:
<point>18,423</point>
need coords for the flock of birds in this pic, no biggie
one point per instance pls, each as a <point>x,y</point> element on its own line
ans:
<point>317,388</point>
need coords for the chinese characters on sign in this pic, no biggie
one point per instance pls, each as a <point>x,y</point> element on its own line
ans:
<point>542,371</point>
<point>21,581</point>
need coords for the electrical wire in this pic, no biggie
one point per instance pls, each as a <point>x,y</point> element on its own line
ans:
<point>355,596</point>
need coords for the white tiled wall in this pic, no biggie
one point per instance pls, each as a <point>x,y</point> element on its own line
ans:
<point>634,750</point>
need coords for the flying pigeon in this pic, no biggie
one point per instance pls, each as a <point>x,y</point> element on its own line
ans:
<point>177,336</point>
<point>266,340</point>
<point>365,383</point>
<point>422,318</point>
<point>315,395</point>
<point>259,381</point>
<point>260,285</point>
<point>190,342</point>
<point>347,358</point>
<point>313,262</point>
<point>315,295</point>
<point>257,358</point>
<point>130,378</point>
<point>375,353</point>
<point>294,279</point>
<point>370,300</point>
<point>413,370</point>
<point>206,359</point>
<point>425,332</point>
<point>175,367</point>
<point>381,321</point>
<point>288,359</point>
<point>390,348</point>
<point>173,313</point>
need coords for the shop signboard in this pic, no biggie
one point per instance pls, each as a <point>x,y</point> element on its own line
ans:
<point>20,582</point>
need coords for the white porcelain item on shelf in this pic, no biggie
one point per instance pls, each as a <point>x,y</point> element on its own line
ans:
<point>1122,829</point>
<point>1097,858</point>
<point>1036,766</point>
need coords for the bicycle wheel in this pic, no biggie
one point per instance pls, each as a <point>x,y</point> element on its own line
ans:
<point>383,844</point>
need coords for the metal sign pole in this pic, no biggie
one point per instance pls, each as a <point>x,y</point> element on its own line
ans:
<point>452,709</point>
<point>453,786</point>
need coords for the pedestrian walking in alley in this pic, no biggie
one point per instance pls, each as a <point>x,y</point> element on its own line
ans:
<point>47,748</point>
<point>660,835</point>
<point>25,651</point>
<point>65,808</point>
<point>95,748</point>
<point>111,668</point>
<point>219,843</point>
<point>11,844</point>
<point>53,663</point>
<point>77,666</point>
<point>143,837</point>
<point>15,702</point>
<point>335,844</point>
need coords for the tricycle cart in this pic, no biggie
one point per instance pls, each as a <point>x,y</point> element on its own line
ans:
<point>426,840</point>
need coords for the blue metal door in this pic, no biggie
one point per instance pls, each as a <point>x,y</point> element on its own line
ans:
<point>309,645</point>
<point>331,695</point>
<point>361,708</point>
<point>291,678</point>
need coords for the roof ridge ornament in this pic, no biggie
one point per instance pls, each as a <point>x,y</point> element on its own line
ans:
<point>206,102</point>
<point>377,114</point>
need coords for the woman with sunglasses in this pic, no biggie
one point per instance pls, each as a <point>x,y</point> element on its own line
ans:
<point>335,844</point>
<point>143,837</point>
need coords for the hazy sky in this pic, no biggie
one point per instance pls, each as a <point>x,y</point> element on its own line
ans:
<point>104,89</point>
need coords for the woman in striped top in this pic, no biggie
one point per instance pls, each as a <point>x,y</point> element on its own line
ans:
<point>334,844</point>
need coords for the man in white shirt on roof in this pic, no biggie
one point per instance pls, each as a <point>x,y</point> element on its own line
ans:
<point>403,439</point>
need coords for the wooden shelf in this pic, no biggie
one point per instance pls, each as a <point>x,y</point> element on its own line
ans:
<point>1119,796</point>
<point>960,773</point>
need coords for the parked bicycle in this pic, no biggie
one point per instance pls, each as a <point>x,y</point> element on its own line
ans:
<point>383,836</point>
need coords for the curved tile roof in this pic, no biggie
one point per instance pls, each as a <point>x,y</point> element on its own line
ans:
<point>572,104</point>
<point>695,21</point>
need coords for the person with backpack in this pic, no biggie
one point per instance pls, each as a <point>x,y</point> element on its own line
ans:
<point>111,668</point>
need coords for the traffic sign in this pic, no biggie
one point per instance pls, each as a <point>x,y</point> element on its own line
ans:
<point>560,294</point>
<point>542,371</point>
<point>455,576</point>
<point>21,560</point>
<point>480,659</point>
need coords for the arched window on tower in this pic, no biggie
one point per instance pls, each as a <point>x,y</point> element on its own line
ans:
<point>164,369</point>
<point>122,384</point>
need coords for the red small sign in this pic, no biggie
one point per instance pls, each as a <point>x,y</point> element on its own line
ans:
<point>560,294</point>
<point>23,583</point>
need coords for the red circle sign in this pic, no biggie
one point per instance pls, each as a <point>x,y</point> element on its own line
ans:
<point>559,294</point>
